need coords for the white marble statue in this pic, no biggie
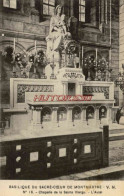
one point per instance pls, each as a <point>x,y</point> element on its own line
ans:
<point>58,31</point>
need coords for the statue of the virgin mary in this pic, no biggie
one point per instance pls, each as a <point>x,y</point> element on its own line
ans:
<point>58,31</point>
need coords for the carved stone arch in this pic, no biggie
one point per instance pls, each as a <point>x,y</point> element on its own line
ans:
<point>103,106</point>
<point>76,112</point>
<point>78,106</point>
<point>7,47</point>
<point>63,107</point>
<point>90,112</point>
<point>62,113</point>
<point>88,52</point>
<point>46,114</point>
<point>48,108</point>
<point>41,46</point>
<point>8,43</point>
<point>91,106</point>
<point>102,111</point>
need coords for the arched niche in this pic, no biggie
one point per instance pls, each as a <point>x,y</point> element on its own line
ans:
<point>90,112</point>
<point>8,52</point>
<point>46,114</point>
<point>32,49</point>
<point>102,112</point>
<point>61,114</point>
<point>8,43</point>
<point>76,113</point>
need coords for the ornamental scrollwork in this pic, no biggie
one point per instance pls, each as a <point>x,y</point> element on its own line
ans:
<point>96,89</point>
<point>22,88</point>
<point>72,75</point>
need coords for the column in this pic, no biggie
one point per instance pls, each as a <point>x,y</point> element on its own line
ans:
<point>110,58</point>
<point>37,116</point>
<point>102,11</point>
<point>32,3</point>
<point>93,12</point>
<point>84,113</point>
<point>97,115</point>
<point>22,6</point>
<point>64,88</point>
<point>96,55</point>
<point>99,12</point>
<point>82,56</point>
<point>110,114</point>
<point>34,12</point>
<point>81,89</point>
<point>54,114</point>
<point>96,77</point>
<point>69,114</point>
<point>102,23</point>
<point>72,8</point>
<point>30,114</point>
<point>106,10</point>
<point>80,60</point>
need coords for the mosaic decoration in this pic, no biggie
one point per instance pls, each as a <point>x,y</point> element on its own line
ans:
<point>22,88</point>
<point>96,89</point>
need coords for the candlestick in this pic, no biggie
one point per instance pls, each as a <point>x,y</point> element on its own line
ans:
<point>83,58</point>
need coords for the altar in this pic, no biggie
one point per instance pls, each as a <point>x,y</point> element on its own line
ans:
<point>59,95</point>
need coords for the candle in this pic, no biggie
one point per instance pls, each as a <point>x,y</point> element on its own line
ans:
<point>96,54</point>
<point>36,46</point>
<point>14,45</point>
<point>83,57</point>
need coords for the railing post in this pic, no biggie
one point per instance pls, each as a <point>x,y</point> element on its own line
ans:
<point>105,146</point>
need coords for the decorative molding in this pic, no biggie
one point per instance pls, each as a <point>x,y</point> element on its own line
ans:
<point>96,89</point>
<point>72,75</point>
<point>22,88</point>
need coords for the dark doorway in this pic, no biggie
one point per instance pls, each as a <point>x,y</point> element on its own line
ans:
<point>71,88</point>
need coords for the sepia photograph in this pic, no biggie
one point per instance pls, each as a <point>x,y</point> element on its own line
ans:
<point>61,97</point>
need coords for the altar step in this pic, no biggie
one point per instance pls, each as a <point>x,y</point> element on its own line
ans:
<point>113,172</point>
